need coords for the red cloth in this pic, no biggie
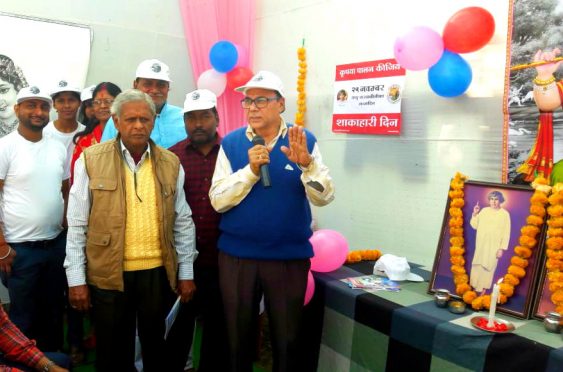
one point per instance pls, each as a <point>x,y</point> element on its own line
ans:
<point>199,170</point>
<point>15,346</point>
<point>540,160</point>
<point>83,143</point>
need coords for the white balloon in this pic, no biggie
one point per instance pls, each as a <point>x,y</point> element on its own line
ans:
<point>212,80</point>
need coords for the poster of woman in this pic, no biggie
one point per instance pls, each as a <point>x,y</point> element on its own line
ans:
<point>12,80</point>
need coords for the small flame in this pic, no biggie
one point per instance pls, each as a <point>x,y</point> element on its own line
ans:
<point>500,280</point>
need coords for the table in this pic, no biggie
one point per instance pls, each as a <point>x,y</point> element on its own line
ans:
<point>353,330</point>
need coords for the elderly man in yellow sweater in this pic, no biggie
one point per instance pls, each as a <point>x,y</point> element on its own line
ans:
<point>131,246</point>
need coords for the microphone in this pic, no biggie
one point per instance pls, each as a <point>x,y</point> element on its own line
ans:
<point>264,169</point>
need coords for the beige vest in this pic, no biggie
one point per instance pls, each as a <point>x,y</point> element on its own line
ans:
<point>108,212</point>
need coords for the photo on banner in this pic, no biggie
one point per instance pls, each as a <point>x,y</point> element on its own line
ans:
<point>528,35</point>
<point>367,98</point>
<point>493,215</point>
<point>39,52</point>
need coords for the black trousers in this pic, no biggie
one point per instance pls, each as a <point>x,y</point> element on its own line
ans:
<point>283,284</point>
<point>144,304</point>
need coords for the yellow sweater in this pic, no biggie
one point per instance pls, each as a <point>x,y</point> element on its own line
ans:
<point>142,236</point>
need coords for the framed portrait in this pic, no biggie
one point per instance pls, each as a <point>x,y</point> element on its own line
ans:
<point>542,303</point>
<point>493,215</point>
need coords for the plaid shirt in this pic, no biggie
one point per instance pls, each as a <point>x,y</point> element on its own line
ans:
<point>14,346</point>
<point>199,170</point>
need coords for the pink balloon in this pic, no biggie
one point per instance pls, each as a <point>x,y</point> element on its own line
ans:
<point>213,81</point>
<point>331,249</point>
<point>420,48</point>
<point>242,56</point>
<point>310,288</point>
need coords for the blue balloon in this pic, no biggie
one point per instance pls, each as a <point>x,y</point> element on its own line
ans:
<point>223,56</point>
<point>450,76</point>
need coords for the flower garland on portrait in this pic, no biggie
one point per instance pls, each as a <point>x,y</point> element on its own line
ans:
<point>518,262</point>
<point>554,247</point>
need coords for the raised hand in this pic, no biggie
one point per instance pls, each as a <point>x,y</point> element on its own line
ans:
<point>297,151</point>
<point>546,71</point>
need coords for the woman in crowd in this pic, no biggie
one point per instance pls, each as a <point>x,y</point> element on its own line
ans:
<point>103,96</point>
<point>86,111</point>
<point>11,81</point>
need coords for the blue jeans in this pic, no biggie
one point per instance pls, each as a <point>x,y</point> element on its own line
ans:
<point>36,287</point>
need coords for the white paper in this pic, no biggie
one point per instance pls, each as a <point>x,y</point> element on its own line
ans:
<point>171,317</point>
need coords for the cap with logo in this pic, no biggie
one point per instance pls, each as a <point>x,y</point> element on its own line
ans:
<point>201,99</point>
<point>86,93</point>
<point>33,92</point>
<point>153,69</point>
<point>65,86</point>
<point>263,80</point>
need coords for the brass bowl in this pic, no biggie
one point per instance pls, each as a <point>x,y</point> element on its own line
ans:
<point>457,307</point>
<point>441,297</point>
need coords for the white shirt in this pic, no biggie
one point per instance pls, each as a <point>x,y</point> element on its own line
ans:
<point>33,172</point>
<point>65,138</point>
<point>79,210</point>
<point>228,189</point>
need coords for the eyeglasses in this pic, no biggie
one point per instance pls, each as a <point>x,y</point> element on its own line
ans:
<point>259,102</point>
<point>98,102</point>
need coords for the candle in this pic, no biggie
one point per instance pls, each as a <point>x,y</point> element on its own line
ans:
<point>493,307</point>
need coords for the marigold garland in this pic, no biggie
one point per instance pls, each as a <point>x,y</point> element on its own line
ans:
<point>301,107</point>
<point>363,255</point>
<point>518,262</point>
<point>554,250</point>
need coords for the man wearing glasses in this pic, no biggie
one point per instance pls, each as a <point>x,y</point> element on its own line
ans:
<point>264,242</point>
<point>153,77</point>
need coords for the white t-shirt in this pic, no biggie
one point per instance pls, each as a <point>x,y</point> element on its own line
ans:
<point>64,138</point>
<point>32,207</point>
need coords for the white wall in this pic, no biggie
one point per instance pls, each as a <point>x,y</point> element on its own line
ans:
<point>391,191</point>
<point>124,34</point>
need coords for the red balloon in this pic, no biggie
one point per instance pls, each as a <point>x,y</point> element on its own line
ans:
<point>468,30</point>
<point>238,76</point>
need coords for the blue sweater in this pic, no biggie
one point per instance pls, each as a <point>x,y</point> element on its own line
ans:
<point>270,223</point>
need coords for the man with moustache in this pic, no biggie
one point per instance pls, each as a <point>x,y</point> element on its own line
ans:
<point>130,245</point>
<point>264,243</point>
<point>153,78</point>
<point>32,242</point>
<point>198,154</point>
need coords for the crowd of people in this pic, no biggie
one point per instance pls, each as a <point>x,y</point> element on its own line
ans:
<point>125,204</point>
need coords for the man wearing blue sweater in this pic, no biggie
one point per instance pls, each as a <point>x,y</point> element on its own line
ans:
<point>264,243</point>
<point>153,77</point>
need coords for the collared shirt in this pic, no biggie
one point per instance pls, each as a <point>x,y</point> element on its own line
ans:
<point>79,210</point>
<point>15,346</point>
<point>168,130</point>
<point>228,189</point>
<point>199,172</point>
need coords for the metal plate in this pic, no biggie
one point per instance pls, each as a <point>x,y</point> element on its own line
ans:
<point>476,319</point>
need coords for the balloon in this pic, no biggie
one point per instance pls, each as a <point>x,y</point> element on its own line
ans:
<point>238,76</point>
<point>223,56</point>
<point>212,80</point>
<point>330,249</point>
<point>451,76</point>
<point>310,288</point>
<point>419,48</point>
<point>468,30</point>
<point>242,56</point>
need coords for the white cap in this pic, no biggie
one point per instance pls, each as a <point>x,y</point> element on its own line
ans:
<point>396,268</point>
<point>201,99</point>
<point>86,93</point>
<point>64,86</point>
<point>33,92</point>
<point>264,80</point>
<point>153,69</point>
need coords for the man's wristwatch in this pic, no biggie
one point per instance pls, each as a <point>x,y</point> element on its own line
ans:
<point>47,366</point>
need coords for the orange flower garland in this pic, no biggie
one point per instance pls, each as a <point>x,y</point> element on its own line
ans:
<point>554,247</point>
<point>301,107</point>
<point>363,255</point>
<point>518,262</point>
